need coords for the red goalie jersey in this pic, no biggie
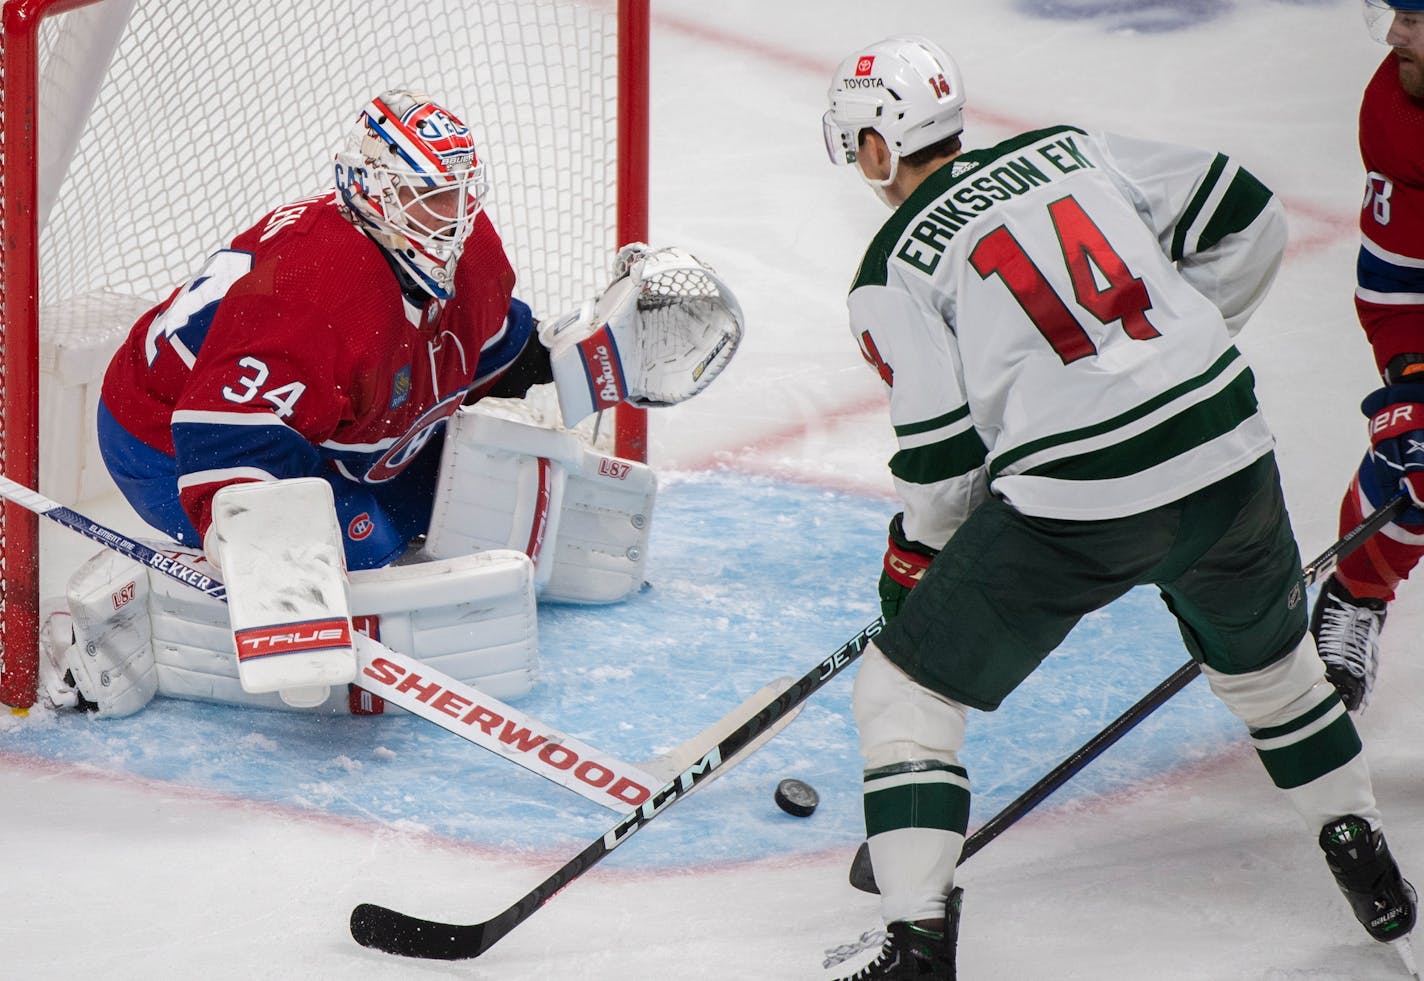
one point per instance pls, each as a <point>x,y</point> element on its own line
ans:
<point>296,352</point>
<point>1390,271</point>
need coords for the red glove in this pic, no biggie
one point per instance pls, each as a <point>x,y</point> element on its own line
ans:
<point>905,564</point>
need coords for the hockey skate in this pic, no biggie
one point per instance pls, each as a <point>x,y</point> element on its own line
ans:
<point>912,952</point>
<point>1346,631</point>
<point>1383,900</point>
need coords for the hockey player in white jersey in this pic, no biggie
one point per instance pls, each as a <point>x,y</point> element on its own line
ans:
<point>1054,318</point>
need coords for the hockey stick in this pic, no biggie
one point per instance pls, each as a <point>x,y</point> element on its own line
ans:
<point>862,875</point>
<point>452,705</point>
<point>416,687</point>
<point>397,933</point>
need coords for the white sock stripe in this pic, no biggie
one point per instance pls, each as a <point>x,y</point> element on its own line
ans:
<point>891,781</point>
<point>1291,738</point>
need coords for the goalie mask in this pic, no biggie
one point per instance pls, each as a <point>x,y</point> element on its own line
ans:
<point>408,174</point>
<point>905,88</point>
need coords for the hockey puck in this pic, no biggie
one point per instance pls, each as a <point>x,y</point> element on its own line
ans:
<point>797,797</point>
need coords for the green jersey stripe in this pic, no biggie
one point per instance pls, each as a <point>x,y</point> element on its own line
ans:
<point>938,422</point>
<point>940,460</point>
<point>941,806</point>
<point>1245,199</point>
<point>1008,458</point>
<point>1185,431</point>
<point>1295,725</point>
<point>1194,207</point>
<point>1313,757</point>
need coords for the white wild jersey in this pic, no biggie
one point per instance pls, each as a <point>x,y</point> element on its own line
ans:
<point>1054,317</point>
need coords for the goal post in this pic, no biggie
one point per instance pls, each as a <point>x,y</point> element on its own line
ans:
<point>140,135</point>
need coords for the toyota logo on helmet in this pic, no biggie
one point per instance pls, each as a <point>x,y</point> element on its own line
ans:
<point>906,88</point>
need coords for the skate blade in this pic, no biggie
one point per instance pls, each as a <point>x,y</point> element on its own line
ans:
<point>1405,949</point>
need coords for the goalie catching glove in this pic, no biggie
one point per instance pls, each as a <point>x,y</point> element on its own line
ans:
<point>658,335</point>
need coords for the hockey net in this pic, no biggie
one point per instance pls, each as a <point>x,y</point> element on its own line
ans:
<point>166,126</point>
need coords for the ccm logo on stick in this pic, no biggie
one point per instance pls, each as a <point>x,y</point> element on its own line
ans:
<point>685,781</point>
<point>395,680</point>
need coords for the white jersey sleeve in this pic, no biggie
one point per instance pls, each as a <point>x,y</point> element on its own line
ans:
<point>1220,224</point>
<point>1051,317</point>
<point>939,469</point>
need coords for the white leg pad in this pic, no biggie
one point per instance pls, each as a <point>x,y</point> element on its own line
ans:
<point>282,558</point>
<point>472,617</point>
<point>601,552</point>
<point>584,518</point>
<point>101,646</point>
<point>501,485</point>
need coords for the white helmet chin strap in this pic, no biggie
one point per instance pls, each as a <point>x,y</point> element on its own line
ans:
<point>882,187</point>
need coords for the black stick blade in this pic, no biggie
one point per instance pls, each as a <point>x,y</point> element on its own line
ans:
<point>862,874</point>
<point>409,936</point>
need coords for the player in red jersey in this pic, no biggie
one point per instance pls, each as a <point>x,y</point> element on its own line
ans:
<point>1389,299</point>
<point>333,338</point>
<point>306,398</point>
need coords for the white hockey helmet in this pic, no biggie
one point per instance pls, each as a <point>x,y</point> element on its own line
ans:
<point>407,172</point>
<point>906,88</point>
<point>1379,15</point>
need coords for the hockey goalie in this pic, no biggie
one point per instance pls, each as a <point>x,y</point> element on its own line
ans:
<point>305,420</point>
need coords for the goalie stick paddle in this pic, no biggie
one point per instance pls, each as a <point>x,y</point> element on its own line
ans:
<point>410,936</point>
<point>862,875</point>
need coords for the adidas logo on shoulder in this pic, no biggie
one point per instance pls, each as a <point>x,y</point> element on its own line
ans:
<point>961,167</point>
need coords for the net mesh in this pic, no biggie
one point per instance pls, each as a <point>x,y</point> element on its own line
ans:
<point>209,117</point>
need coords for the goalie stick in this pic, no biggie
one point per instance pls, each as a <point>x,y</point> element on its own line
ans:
<point>437,698</point>
<point>398,933</point>
<point>862,875</point>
